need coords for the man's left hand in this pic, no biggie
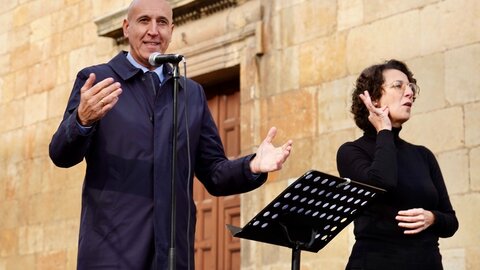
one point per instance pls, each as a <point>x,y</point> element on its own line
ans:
<point>268,157</point>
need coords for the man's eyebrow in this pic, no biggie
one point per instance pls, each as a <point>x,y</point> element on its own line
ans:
<point>161,17</point>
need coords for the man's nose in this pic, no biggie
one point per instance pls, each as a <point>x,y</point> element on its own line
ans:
<point>153,28</point>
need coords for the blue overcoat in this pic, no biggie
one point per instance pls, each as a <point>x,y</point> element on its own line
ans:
<point>125,214</point>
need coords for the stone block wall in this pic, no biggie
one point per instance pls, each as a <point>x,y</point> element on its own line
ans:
<point>44,44</point>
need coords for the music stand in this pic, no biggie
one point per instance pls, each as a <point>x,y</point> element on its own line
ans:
<point>309,213</point>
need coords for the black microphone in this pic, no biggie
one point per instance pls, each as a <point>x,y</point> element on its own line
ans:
<point>157,59</point>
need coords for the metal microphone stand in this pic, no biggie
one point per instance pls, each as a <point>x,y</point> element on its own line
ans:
<point>172,251</point>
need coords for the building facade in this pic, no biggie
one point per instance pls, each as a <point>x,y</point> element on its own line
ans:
<point>289,64</point>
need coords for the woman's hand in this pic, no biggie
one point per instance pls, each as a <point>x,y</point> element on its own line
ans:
<point>415,220</point>
<point>378,116</point>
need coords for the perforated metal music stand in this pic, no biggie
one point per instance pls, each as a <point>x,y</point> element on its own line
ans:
<point>309,213</point>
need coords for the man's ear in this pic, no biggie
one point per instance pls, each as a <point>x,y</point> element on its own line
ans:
<point>171,33</point>
<point>125,28</point>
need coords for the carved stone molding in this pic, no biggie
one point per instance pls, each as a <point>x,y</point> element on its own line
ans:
<point>183,11</point>
<point>111,25</point>
<point>195,10</point>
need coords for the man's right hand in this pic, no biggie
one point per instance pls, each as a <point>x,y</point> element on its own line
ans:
<point>97,100</point>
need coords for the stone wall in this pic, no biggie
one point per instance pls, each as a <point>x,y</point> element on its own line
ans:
<point>297,71</point>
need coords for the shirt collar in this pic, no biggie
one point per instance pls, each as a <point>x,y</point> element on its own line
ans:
<point>158,70</point>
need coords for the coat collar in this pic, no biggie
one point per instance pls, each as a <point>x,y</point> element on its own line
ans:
<point>126,70</point>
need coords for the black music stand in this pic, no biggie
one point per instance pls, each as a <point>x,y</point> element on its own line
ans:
<point>309,213</point>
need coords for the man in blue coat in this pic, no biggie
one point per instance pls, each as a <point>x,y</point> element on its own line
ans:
<point>119,119</point>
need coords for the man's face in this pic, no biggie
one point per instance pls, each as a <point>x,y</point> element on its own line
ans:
<point>148,28</point>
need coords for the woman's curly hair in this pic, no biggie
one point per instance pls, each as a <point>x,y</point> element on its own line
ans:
<point>371,80</point>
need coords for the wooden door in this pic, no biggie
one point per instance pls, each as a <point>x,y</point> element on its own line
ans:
<point>214,247</point>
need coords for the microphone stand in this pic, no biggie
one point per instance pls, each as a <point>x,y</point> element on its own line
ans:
<point>172,252</point>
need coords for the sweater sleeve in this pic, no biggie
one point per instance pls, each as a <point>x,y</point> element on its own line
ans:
<point>446,223</point>
<point>374,164</point>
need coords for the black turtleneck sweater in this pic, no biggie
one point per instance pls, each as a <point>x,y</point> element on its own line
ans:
<point>412,178</point>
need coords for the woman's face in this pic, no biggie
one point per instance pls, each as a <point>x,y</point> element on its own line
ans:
<point>397,95</point>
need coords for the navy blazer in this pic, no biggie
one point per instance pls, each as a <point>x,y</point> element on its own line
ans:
<point>125,216</point>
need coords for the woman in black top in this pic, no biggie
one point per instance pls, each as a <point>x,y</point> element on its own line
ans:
<point>400,230</point>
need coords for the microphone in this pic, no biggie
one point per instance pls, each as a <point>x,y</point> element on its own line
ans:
<point>157,59</point>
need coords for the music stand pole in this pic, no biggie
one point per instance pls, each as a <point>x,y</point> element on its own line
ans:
<point>296,257</point>
<point>296,244</point>
<point>172,250</point>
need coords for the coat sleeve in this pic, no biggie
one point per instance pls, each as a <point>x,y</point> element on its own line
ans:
<point>446,223</point>
<point>69,145</point>
<point>219,175</point>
